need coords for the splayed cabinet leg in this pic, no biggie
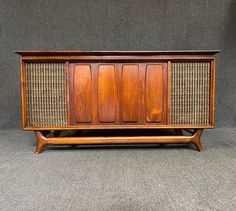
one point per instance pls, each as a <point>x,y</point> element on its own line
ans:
<point>41,141</point>
<point>196,139</point>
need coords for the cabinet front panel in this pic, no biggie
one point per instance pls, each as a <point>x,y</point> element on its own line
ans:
<point>82,93</point>
<point>118,94</point>
<point>143,94</point>
<point>107,93</point>
<point>130,93</point>
<point>154,93</point>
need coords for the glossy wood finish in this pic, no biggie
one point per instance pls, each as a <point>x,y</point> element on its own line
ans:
<point>196,140</point>
<point>117,58</point>
<point>130,93</point>
<point>154,93</point>
<point>118,90</point>
<point>131,56</point>
<point>147,53</point>
<point>43,140</point>
<point>140,57</point>
<point>118,94</point>
<point>107,94</point>
<point>82,93</point>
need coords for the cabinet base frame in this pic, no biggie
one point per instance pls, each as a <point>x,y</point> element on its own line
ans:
<point>172,139</point>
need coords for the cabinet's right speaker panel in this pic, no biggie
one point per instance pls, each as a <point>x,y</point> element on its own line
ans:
<point>190,84</point>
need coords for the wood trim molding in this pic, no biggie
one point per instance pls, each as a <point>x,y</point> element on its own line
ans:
<point>23,94</point>
<point>212,93</point>
<point>128,126</point>
<point>119,58</point>
<point>103,53</point>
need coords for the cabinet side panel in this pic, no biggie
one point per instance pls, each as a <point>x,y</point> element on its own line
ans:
<point>107,93</point>
<point>130,93</point>
<point>154,93</point>
<point>45,88</point>
<point>82,93</point>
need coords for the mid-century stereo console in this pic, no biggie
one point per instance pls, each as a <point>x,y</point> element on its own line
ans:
<point>123,90</point>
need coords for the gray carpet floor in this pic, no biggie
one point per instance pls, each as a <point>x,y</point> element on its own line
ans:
<point>118,178</point>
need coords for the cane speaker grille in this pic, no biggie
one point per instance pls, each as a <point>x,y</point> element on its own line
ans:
<point>46,94</point>
<point>190,93</point>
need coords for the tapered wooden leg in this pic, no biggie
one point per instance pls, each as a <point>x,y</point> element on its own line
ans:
<point>196,139</point>
<point>179,132</point>
<point>41,141</point>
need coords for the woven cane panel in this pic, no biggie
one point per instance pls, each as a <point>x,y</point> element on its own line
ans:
<point>190,93</point>
<point>46,94</point>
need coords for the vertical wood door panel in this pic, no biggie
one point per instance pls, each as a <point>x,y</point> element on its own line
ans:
<point>107,93</point>
<point>130,93</point>
<point>82,93</point>
<point>154,93</point>
<point>119,94</point>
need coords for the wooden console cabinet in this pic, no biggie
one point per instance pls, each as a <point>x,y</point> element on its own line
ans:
<point>75,90</point>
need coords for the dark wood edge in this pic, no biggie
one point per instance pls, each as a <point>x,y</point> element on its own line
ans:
<point>212,96</point>
<point>71,98</point>
<point>68,91</point>
<point>23,95</point>
<point>165,95</point>
<point>118,103</point>
<point>142,74</point>
<point>66,53</point>
<point>94,71</point>
<point>168,91</point>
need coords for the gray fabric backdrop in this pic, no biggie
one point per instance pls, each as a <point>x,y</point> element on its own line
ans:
<point>117,25</point>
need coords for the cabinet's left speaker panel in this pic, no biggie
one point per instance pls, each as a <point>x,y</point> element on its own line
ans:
<point>45,90</point>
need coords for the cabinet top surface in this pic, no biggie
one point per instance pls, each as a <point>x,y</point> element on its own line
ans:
<point>107,53</point>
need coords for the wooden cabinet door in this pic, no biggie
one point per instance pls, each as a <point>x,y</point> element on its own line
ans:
<point>154,93</point>
<point>107,94</point>
<point>130,93</point>
<point>82,94</point>
<point>118,94</point>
